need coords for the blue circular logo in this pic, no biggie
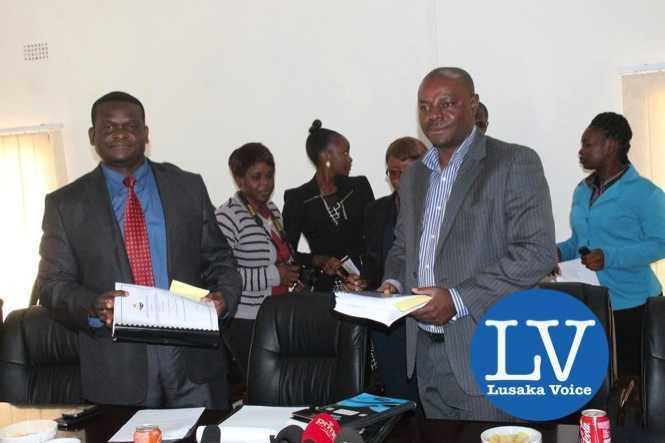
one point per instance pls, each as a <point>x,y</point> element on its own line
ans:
<point>539,354</point>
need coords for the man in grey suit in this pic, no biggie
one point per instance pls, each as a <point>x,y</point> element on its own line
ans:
<point>86,249</point>
<point>475,224</point>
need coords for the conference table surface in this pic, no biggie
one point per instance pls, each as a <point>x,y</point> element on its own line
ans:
<point>412,430</point>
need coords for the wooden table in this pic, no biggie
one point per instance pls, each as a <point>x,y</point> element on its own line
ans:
<point>411,430</point>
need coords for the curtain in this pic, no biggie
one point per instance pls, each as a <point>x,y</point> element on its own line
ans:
<point>644,107</point>
<point>31,165</point>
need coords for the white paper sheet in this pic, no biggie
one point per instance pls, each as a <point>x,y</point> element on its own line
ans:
<point>148,306</point>
<point>373,306</point>
<point>255,424</point>
<point>575,271</point>
<point>174,423</point>
<point>350,267</point>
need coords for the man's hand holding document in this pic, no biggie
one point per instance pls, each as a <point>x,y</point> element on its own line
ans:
<point>377,306</point>
<point>153,315</point>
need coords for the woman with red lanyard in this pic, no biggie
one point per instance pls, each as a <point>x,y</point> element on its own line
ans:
<point>253,226</point>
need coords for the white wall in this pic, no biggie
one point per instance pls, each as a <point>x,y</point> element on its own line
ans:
<point>214,75</point>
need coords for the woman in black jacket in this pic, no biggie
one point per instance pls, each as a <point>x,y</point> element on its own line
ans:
<point>328,210</point>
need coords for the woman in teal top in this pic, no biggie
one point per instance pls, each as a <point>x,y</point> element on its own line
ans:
<point>618,224</point>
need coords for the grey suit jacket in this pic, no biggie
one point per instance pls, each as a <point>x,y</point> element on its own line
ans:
<point>83,255</point>
<point>497,237</point>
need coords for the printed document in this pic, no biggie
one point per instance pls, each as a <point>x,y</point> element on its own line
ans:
<point>158,308</point>
<point>375,306</point>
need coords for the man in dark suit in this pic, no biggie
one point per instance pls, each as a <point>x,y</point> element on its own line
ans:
<point>133,220</point>
<point>475,224</point>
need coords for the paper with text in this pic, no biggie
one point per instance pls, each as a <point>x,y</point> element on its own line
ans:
<point>155,307</point>
<point>374,306</point>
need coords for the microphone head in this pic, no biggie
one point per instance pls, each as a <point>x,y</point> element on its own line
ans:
<point>322,429</point>
<point>290,434</point>
<point>347,435</point>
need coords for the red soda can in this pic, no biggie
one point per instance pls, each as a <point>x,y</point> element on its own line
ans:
<point>147,434</point>
<point>594,427</point>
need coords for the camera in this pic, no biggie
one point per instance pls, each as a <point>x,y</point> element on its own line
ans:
<point>309,277</point>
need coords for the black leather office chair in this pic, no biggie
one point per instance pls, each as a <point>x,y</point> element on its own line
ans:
<point>39,360</point>
<point>653,364</point>
<point>303,353</point>
<point>597,299</point>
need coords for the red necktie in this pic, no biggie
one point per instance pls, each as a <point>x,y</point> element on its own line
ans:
<point>136,238</point>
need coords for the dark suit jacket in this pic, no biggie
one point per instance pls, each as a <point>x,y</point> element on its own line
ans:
<point>83,255</point>
<point>304,213</point>
<point>380,219</point>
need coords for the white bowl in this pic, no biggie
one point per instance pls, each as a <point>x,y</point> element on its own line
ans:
<point>533,436</point>
<point>29,431</point>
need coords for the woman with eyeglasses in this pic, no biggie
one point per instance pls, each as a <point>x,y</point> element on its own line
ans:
<point>389,344</point>
<point>381,215</point>
<point>329,209</point>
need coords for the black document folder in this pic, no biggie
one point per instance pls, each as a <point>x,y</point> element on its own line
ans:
<point>167,336</point>
<point>157,316</point>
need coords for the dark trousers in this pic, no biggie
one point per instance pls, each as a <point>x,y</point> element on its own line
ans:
<point>168,385</point>
<point>238,337</point>
<point>390,353</point>
<point>628,328</point>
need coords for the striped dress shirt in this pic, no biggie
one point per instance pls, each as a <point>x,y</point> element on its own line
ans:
<point>438,192</point>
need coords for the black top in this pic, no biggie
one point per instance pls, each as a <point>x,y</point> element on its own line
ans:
<point>380,220</point>
<point>332,225</point>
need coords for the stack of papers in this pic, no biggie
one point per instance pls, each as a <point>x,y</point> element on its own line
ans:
<point>375,306</point>
<point>254,424</point>
<point>175,424</point>
<point>153,307</point>
<point>154,315</point>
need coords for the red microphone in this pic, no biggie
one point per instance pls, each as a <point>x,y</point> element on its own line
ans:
<point>322,429</point>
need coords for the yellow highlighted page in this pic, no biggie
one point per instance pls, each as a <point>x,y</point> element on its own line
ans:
<point>189,291</point>
<point>409,302</point>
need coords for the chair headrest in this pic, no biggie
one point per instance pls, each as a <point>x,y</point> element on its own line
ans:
<point>31,337</point>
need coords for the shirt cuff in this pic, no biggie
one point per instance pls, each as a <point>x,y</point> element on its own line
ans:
<point>95,322</point>
<point>395,283</point>
<point>462,311</point>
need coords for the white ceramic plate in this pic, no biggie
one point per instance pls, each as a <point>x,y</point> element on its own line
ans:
<point>29,431</point>
<point>533,435</point>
